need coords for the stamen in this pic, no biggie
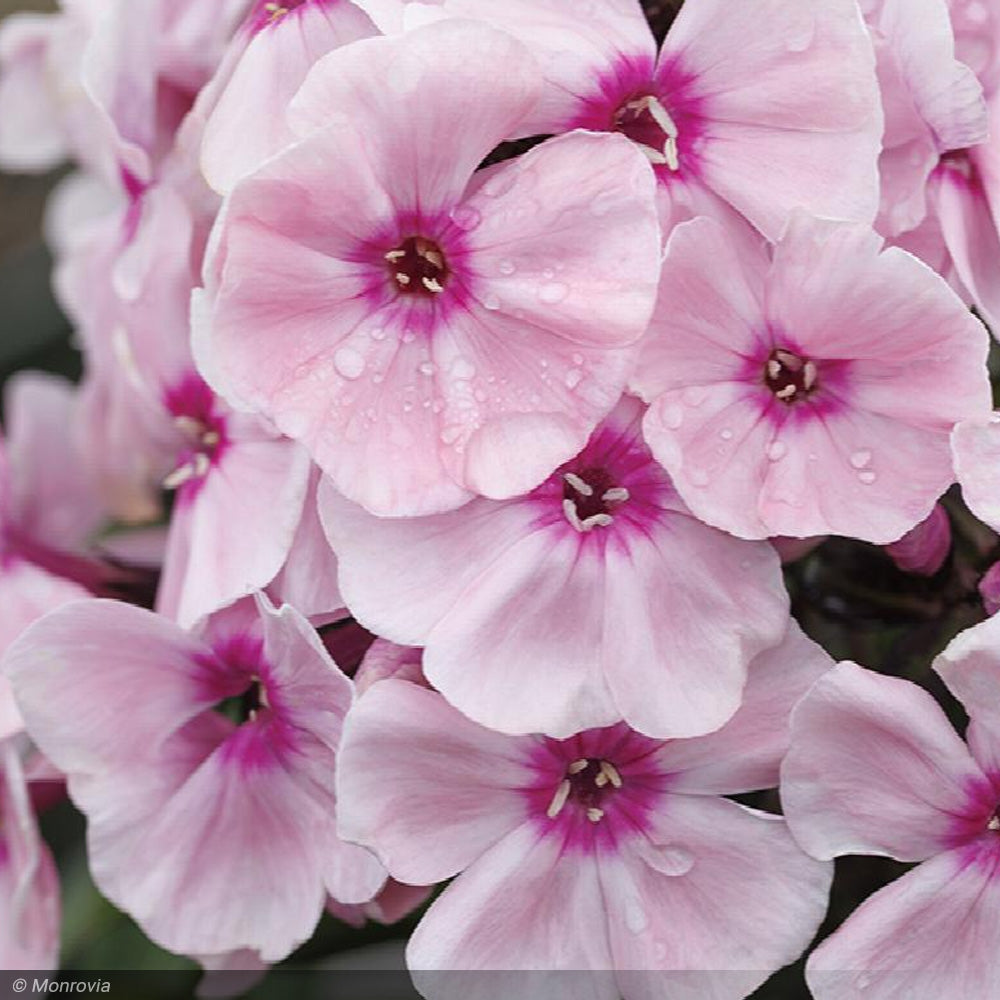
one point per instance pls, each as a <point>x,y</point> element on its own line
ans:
<point>595,815</point>
<point>654,155</point>
<point>578,765</point>
<point>189,426</point>
<point>433,256</point>
<point>670,154</point>
<point>994,824</point>
<point>596,521</point>
<point>787,393</point>
<point>558,800</point>
<point>569,509</point>
<point>403,279</point>
<point>581,487</point>
<point>601,780</point>
<point>202,464</point>
<point>210,439</point>
<point>662,117</point>
<point>179,476</point>
<point>393,255</point>
<point>809,375</point>
<point>616,495</point>
<point>773,368</point>
<point>432,285</point>
<point>789,360</point>
<point>609,771</point>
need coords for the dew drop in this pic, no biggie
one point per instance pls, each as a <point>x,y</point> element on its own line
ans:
<point>506,267</point>
<point>777,450</point>
<point>377,333</point>
<point>861,458</point>
<point>408,337</point>
<point>698,477</point>
<point>463,368</point>
<point>635,916</point>
<point>867,477</point>
<point>548,274</point>
<point>349,362</point>
<point>670,859</point>
<point>491,302</point>
<point>673,416</point>
<point>694,395</point>
<point>573,378</point>
<point>578,360</point>
<point>426,368</point>
<point>466,217</point>
<point>863,981</point>
<point>726,434</point>
<point>553,293</point>
<point>451,434</point>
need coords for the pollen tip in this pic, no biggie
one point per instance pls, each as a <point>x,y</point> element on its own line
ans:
<point>595,815</point>
<point>577,766</point>
<point>559,799</point>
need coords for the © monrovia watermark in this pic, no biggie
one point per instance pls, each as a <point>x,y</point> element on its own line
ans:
<point>45,986</point>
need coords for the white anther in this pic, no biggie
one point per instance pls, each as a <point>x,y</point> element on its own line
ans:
<point>558,800</point>
<point>578,765</point>
<point>994,824</point>
<point>654,156</point>
<point>773,369</point>
<point>393,255</point>
<point>403,279</point>
<point>596,521</point>
<point>179,476</point>
<point>595,815</point>
<point>789,360</point>
<point>662,117</point>
<point>202,464</point>
<point>611,773</point>
<point>670,154</point>
<point>210,439</point>
<point>601,780</point>
<point>189,426</point>
<point>433,257</point>
<point>617,494</point>
<point>787,393</point>
<point>569,509</point>
<point>809,375</point>
<point>581,486</point>
<point>432,285</point>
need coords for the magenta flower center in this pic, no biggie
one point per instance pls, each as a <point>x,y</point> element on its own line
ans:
<point>418,267</point>
<point>790,376</point>
<point>244,707</point>
<point>649,125</point>
<point>590,499</point>
<point>587,785</point>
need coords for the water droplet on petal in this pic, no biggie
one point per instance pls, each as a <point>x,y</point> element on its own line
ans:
<point>864,981</point>
<point>861,458</point>
<point>867,477</point>
<point>451,434</point>
<point>673,415</point>
<point>777,450</point>
<point>506,267</point>
<point>426,368</point>
<point>348,362</point>
<point>573,378</point>
<point>491,302</point>
<point>726,434</point>
<point>548,274</point>
<point>578,360</point>
<point>698,477</point>
<point>462,368</point>
<point>553,293</point>
<point>635,916</point>
<point>694,395</point>
<point>670,859</point>
<point>466,217</point>
<point>377,333</point>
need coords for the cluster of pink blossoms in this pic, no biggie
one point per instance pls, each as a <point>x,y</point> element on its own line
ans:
<point>527,345</point>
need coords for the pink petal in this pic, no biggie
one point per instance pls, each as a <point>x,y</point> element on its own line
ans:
<point>104,673</point>
<point>524,905</point>
<point>875,768</point>
<point>976,449</point>
<point>930,934</point>
<point>925,548</point>
<point>29,883</point>
<point>417,94</point>
<point>53,494</point>
<point>728,603</point>
<point>746,753</point>
<point>773,142</point>
<point>424,787</point>
<point>970,666</point>
<point>255,491</point>
<point>748,899</point>
<point>247,124</point>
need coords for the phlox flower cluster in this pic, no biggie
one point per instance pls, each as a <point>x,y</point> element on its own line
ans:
<point>465,386</point>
